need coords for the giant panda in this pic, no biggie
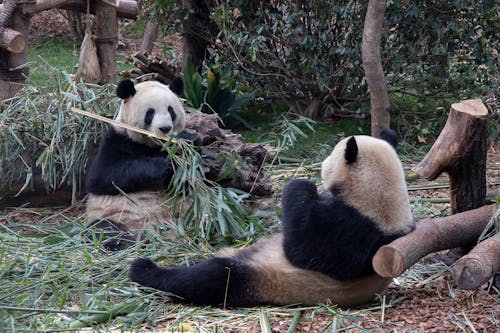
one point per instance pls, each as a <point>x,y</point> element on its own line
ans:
<point>130,170</point>
<point>325,250</point>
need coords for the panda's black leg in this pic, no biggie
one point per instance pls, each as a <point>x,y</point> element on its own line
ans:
<point>116,236</point>
<point>215,281</point>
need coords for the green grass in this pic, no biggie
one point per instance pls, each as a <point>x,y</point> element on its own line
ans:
<point>63,55</point>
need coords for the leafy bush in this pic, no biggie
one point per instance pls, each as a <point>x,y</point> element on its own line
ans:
<point>213,97</point>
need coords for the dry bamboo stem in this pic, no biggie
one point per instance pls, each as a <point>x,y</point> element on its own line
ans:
<point>123,125</point>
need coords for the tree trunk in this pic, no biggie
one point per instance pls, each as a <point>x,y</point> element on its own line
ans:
<point>150,35</point>
<point>372,65</point>
<point>460,150</point>
<point>197,32</point>
<point>431,235</point>
<point>106,40</point>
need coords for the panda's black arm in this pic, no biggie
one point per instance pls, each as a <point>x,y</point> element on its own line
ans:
<point>297,200</point>
<point>129,175</point>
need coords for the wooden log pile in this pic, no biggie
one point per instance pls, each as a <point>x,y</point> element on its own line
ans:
<point>460,150</point>
<point>149,67</point>
<point>227,159</point>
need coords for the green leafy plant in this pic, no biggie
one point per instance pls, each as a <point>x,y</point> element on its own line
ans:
<point>214,97</point>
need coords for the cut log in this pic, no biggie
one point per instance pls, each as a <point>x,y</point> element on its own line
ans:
<point>479,265</point>
<point>12,40</point>
<point>431,235</point>
<point>460,150</point>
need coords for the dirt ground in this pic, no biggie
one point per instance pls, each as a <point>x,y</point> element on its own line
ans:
<point>429,306</point>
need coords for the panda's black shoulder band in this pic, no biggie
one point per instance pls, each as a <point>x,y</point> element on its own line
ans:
<point>125,89</point>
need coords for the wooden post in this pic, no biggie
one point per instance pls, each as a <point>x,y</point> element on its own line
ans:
<point>460,150</point>
<point>13,69</point>
<point>106,40</point>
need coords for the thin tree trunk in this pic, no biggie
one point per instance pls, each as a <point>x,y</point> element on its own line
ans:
<point>197,32</point>
<point>372,65</point>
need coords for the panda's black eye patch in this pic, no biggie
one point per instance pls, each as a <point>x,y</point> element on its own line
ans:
<point>173,115</point>
<point>148,119</point>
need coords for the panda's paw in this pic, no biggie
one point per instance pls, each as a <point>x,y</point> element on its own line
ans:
<point>142,270</point>
<point>300,188</point>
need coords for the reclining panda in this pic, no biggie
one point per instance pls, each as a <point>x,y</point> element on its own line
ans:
<point>133,163</point>
<point>325,251</point>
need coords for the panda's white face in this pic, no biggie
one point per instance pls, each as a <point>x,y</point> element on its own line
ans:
<point>153,107</point>
<point>369,177</point>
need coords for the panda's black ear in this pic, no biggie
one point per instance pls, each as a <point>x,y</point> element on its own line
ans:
<point>390,136</point>
<point>125,89</point>
<point>177,85</point>
<point>351,150</point>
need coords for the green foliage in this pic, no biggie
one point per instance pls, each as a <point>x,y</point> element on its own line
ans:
<point>213,96</point>
<point>296,53</point>
<point>41,134</point>
<point>213,210</point>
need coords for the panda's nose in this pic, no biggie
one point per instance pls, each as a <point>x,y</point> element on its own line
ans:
<point>165,129</point>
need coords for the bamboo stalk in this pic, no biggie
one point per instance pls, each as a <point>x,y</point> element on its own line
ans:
<point>120,124</point>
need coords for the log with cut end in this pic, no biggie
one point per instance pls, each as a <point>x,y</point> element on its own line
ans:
<point>461,150</point>
<point>431,235</point>
<point>12,40</point>
<point>124,8</point>
<point>454,139</point>
<point>479,265</point>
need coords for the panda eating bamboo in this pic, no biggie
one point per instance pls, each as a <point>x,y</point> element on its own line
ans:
<point>127,179</point>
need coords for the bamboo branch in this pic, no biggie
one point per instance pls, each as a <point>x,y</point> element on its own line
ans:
<point>123,125</point>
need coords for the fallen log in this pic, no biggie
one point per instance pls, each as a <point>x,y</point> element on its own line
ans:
<point>479,265</point>
<point>431,235</point>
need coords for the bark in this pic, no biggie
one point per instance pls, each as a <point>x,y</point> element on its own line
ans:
<point>460,150</point>
<point>106,40</point>
<point>479,265</point>
<point>372,65</point>
<point>431,235</point>
<point>150,35</point>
